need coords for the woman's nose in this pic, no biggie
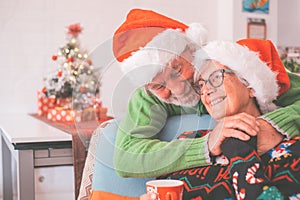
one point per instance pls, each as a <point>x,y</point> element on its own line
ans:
<point>207,89</point>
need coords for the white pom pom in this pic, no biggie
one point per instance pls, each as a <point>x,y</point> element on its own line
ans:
<point>197,33</point>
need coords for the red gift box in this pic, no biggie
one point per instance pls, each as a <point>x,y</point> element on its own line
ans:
<point>60,114</point>
<point>64,102</point>
<point>88,114</point>
<point>102,113</point>
<point>44,104</point>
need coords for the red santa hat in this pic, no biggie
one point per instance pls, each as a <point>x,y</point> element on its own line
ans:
<point>147,41</point>
<point>254,60</point>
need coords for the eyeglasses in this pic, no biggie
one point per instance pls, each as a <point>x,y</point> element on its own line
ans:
<point>215,79</point>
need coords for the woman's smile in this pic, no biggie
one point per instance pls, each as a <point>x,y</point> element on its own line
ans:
<point>217,101</point>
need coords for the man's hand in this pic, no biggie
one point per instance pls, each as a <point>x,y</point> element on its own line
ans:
<point>240,126</point>
<point>145,197</point>
<point>267,138</point>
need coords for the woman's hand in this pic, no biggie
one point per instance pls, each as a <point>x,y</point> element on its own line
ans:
<point>240,126</point>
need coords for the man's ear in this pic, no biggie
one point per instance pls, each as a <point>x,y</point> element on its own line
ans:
<point>251,92</point>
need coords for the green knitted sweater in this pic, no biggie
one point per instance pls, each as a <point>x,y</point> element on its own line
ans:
<point>138,152</point>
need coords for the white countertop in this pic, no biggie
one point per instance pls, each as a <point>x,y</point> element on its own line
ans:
<point>23,128</point>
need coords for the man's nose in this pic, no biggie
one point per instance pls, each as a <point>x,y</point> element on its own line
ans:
<point>165,93</point>
<point>177,86</point>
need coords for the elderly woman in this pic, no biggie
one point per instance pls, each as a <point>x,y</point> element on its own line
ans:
<point>234,81</point>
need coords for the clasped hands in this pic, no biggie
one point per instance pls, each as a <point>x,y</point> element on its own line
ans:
<point>242,126</point>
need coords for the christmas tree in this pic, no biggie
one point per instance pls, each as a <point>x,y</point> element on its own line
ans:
<point>71,92</point>
<point>75,80</point>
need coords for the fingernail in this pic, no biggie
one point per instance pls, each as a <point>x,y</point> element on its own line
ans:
<point>247,137</point>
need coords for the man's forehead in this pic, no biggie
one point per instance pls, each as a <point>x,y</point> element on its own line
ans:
<point>184,57</point>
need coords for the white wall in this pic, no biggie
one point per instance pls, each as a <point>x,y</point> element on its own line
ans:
<point>225,13</point>
<point>288,23</point>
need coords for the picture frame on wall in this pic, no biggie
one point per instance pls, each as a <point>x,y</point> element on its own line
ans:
<point>256,6</point>
<point>256,28</point>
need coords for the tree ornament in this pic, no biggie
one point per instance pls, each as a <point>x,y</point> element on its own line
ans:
<point>74,29</point>
<point>82,89</point>
<point>54,57</point>
<point>89,62</point>
<point>59,73</point>
<point>73,41</point>
<point>70,59</point>
<point>44,90</point>
<point>67,51</point>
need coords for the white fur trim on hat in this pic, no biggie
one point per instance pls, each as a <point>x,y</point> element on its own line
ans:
<point>145,63</point>
<point>247,65</point>
<point>197,33</point>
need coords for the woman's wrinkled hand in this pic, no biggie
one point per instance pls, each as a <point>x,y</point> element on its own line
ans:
<point>241,126</point>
